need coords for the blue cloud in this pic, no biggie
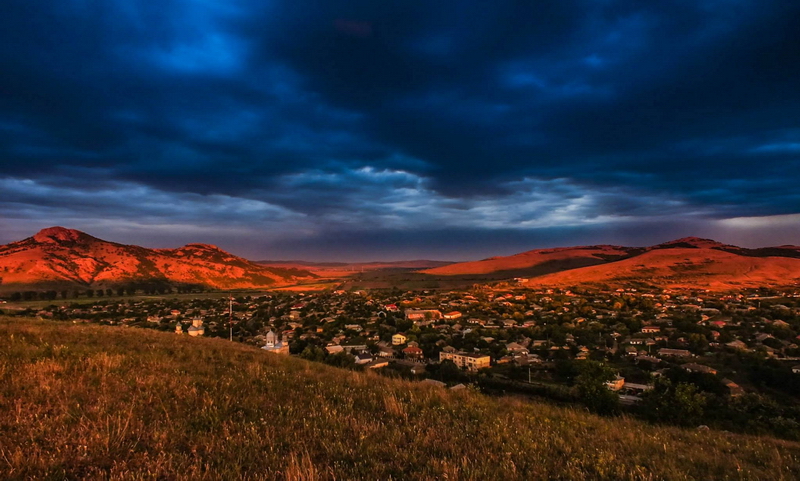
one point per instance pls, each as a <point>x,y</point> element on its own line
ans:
<point>448,114</point>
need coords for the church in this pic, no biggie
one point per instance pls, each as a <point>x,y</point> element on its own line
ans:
<point>274,344</point>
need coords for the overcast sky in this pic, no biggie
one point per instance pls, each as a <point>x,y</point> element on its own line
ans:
<point>361,130</point>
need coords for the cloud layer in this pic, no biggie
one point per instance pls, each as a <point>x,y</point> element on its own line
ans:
<point>400,129</point>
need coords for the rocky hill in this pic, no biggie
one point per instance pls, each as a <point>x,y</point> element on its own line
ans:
<point>57,258</point>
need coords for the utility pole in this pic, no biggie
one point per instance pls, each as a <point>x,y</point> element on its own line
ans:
<point>230,316</point>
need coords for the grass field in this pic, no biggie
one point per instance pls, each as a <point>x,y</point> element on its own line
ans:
<point>80,401</point>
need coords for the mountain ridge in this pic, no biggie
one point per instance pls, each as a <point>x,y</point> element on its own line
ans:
<point>58,257</point>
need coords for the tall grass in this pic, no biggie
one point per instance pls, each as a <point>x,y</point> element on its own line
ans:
<point>82,401</point>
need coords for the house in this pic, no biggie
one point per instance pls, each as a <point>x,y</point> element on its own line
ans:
<point>196,329</point>
<point>634,388</point>
<point>413,352</point>
<point>399,339</point>
<point>616,383</point>
<point>363,358</point>
<point>377,364</point>
<point>734,390</point>
<point>737,344</point>
<point>650,329</point>
<point>516,349</point>
<point>465,360</point>
<point>422,314</point>
<point>334,349</point>
<point>385,351</point>
<point>453,315</point>
<point>433,382</point>
<point>665,352</point>
<point>178,329</point>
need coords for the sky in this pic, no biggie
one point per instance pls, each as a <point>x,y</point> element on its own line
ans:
<point>363,130</point>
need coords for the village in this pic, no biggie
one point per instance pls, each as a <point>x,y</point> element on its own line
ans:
<point>501,331</point>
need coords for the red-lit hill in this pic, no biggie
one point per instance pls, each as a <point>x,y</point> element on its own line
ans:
<point>62,258</point>
<point>536,262</point>
<point>687,262</point>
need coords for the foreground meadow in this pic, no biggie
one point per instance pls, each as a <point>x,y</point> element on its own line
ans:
<point>82,401</point>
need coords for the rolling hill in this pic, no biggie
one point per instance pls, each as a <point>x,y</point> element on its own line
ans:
<point>82,401</point>
<point>687,262</point>
<point>536,262</point>
<point>60,258</point>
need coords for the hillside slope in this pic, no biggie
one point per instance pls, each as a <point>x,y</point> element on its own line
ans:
<point>557,259</point>
<point>59,258</point>
<point>705,268</point>
<point>686,262</point>
<point>81,401</point>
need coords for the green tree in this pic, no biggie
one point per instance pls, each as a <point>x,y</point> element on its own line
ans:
<point>592,389</point>
<point>313,353</point>
<point>679,403</point>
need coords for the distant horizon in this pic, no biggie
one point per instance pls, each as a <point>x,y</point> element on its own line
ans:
<point>367,260</point>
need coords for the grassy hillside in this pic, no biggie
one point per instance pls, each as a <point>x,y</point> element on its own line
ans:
<point>80,401</point>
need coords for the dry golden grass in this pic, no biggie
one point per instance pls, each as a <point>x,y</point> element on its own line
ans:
<point>79,401</point>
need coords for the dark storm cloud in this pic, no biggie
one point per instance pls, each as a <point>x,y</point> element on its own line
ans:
<point>554,118</point>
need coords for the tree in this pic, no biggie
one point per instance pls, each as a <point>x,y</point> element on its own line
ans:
<point>592,389</point>
<point>313,353</point>
<point>679,403</point>
<point>448,371</point>
<point>341,359</point>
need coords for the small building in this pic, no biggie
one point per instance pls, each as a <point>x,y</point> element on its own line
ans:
<point>453,315</point>
<point>616,383</point>
<point>666,352</point>
<point>737,344</point>
<point>734,390</point>
<point>334,349</point>
<point>516,349</point>
<point>363,358</point>
<point>423,314</point>
<point>413,352</point>
<point>377,364</point>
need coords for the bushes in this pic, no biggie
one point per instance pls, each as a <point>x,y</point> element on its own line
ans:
<point>672,403</point>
